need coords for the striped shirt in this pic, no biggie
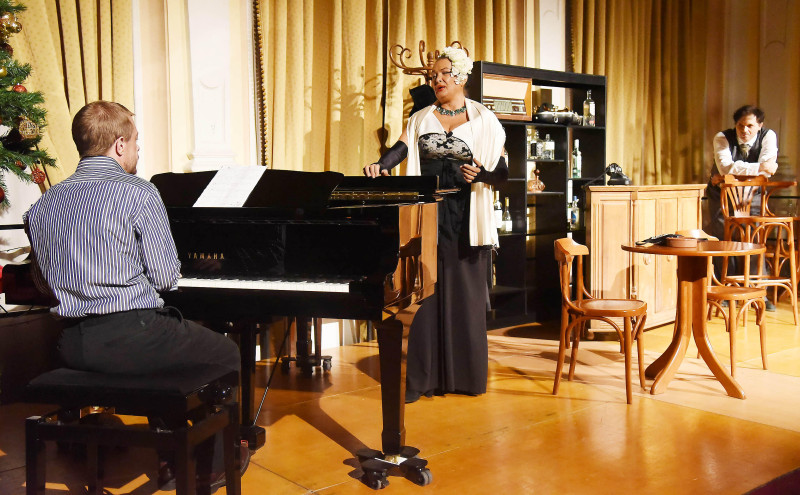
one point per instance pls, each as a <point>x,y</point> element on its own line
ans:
<point>102,242</point>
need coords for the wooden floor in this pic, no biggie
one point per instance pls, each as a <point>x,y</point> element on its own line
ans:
<point>517,438</point>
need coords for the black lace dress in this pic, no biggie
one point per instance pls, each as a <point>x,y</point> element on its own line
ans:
<point>447,346</point>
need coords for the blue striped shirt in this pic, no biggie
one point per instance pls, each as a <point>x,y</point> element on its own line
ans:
<point>102,241</point>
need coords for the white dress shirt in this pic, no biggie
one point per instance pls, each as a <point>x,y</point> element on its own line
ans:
<point>724,159</point>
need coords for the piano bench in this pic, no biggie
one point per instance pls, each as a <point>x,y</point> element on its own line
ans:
<point>202,394</point>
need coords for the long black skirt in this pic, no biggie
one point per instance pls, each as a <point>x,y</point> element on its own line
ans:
<point>447,346</point>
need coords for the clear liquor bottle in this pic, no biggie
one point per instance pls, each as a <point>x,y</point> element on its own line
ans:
<point>549,148</point>
<point>507,218</point>
<point>576,160</point>
<point>588,109</point>
<point>498,211</point>
<point>537,149</point>
<point>574,214</point>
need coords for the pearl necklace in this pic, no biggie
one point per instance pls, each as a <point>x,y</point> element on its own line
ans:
<point>451,113</point>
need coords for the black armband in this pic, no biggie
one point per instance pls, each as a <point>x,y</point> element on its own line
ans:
<point>393,156</point>
<point>496,176</point>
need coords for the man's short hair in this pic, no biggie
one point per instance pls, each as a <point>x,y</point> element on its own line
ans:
<point>749,110</point>
<point>98,124</point>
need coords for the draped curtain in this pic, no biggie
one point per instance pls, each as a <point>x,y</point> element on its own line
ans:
<point>331,98</point>
<point>80,51</point>
<point>654,55</point>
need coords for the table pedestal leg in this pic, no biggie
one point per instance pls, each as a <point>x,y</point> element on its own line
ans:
<point>699,304</point>
<point>690,318</point>
<point>667,364</point>
<point>661,361</point>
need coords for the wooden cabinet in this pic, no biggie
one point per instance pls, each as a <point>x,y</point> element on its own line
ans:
<point>525,286</point>
<point>626,214</point>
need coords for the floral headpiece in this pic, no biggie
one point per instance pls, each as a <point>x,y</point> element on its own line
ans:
<point>462,64</point>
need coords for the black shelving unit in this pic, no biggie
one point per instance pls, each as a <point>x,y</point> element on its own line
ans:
<point>526,286</point>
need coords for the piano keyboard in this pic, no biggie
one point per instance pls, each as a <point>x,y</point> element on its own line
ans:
<point>255,284</point>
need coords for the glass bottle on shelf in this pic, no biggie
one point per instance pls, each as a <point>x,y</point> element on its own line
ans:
<point>549,148</point>
<point>574,214</point>
<point>588,109</point>
<point>576,161</point>
<point>537,147</point>
<point>534,183</point>
<point>507,218</point>
<point>498,211</point>
<point>530,146</point>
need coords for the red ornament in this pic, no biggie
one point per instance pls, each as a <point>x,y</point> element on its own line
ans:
<point>19,88</point>
<point>2,194</point>
<point>7,48</point>
<point>38,176</point>
<point>20,164</point>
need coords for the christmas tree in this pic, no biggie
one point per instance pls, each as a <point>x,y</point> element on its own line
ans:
<point>22,118</point>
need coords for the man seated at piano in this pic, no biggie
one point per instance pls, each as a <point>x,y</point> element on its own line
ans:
<point>101,245</point>
<point>460,141</point>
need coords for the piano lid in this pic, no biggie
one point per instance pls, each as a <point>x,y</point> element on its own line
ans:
<point>276,188</point>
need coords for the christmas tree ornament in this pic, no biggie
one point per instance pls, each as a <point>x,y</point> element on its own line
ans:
<point>27,128</point>
<point>2,195</point>
<point>5,21</point>
<point>38,176</point>
<point>15,27</point>
<point>19,88</point>
<point>3,71</point>
<point>7,48</point>
<point>20,165</point>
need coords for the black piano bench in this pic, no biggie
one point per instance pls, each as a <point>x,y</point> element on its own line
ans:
<point>202,394</point>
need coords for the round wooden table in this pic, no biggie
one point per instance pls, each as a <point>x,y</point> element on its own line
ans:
<point>690,317</point>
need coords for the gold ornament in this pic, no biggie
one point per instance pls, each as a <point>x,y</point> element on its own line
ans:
<point>5,23</point>
<point>28,128</point>
<point>15,27</point>
<point>3,71</point>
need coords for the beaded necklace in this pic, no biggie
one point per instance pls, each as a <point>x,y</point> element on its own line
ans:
<point>451,113</point>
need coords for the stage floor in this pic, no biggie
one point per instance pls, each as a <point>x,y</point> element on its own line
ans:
<point>518,437</point>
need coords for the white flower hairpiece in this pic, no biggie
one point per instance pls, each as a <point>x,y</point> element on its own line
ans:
<point>462,64</point>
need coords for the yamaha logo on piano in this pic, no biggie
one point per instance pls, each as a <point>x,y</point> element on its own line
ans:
<point>206,256</point>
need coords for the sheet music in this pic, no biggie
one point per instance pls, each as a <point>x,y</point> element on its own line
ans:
<point>230,187</point>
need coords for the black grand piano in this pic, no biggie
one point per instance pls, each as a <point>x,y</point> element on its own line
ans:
<point>317,244</point>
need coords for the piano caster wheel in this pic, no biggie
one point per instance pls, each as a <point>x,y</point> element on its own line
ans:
<point>326,364</point>
<point>419,477</point>
<point>285,366</point>
<point>375,474</point>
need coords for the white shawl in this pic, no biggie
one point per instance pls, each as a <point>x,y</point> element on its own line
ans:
<point>488,138</point>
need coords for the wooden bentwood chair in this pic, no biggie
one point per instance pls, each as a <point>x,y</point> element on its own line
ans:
<point>743,297</point>
<point>737,195</point>
<point>575,313</point>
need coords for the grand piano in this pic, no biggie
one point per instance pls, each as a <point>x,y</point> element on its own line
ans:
<point>315,244</point>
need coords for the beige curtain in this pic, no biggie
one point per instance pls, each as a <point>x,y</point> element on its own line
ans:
<point>80,51</point>
<point>325,71</point>
<point>654,55</point>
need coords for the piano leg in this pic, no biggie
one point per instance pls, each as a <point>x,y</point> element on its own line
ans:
<point>250,431</point>
<point>303,357</point>
<point>392,347</point>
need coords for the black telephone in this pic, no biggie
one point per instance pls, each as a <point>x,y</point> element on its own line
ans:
<point>656,239</point>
